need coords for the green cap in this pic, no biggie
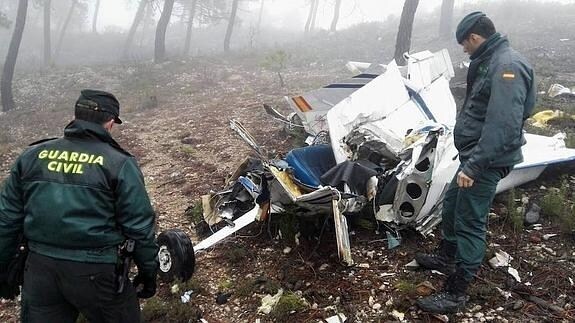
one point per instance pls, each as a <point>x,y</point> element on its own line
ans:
<point>466,24</point>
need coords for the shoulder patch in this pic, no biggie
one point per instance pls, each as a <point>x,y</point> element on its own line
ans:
<point>508,75</point>
<point>42,140</point>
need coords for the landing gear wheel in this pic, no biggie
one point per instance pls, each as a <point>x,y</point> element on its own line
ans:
<point>176,256</point>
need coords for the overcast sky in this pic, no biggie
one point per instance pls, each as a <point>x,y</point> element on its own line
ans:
<point>286,13</point>
<point>283,12</point>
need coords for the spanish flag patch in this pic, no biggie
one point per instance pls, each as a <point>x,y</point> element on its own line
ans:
<point>508,75</point>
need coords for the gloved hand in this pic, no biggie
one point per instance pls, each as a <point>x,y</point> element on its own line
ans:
<point>149,284</point>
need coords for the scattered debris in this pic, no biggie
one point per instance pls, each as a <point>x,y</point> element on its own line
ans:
<point>398,315</point>
<point>549,236</point>
<point>549,251</point>
<point>440,318</point>
<point>186,296</point>
<point>560,90</point>
<point>222,298</point>
<point>514,273</point>
<point>503,293</point>
<point>269,302</point>
<point>412,264</point>
<point>392,241</point>
<point>339,318</point>
<point>501,259</point>
<point>543,118</point>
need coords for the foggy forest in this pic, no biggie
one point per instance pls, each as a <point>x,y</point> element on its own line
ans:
<point>183,69</point>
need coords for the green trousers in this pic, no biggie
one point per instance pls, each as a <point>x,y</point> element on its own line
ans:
<point>464,218</point>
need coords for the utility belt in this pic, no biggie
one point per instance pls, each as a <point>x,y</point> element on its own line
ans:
<point>14,272</point>
<point>102,255</point>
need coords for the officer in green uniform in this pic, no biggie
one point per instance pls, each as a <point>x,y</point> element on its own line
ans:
<point>76,200</point>
<point>488,135</point>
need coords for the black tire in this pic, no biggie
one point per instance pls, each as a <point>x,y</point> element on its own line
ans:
<point>176,256</point>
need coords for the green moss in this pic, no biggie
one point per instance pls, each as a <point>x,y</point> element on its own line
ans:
<point>236,255</point>
<point>81,319</point>
<point>552,204</point>
<point>225,285</point>
<point>570,140</point>
<point>366,224</point>
<point>287,304</point>
<point>270,286</point>
<point>515,217</point>
<point>188,150</point>
<point>191,284</point>
<point>406,287</point>
<point>195,213</point>
<point>172,310</point>
<point>558,205</point>
<point>248,287</point>
<point>288,224</point>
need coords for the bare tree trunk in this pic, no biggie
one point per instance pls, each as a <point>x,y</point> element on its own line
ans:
<point>134,27</point>
<point>64,27</point>
<point>189,30</point>
<point>160,43</point>
<point>446,19</point>
<point>95,20</point>
<point>403,41</point>
<point>309,16</point>
<point>147,24</point>
<point>260,16</point>
<point>47,33</point>
<point>335,16</point>
<point>230,29</point>
<point>314,15</point>
<point>10,64</point>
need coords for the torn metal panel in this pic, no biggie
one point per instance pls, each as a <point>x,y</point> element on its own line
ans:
<point>425,67</point>
<point>375,101</point>
<point>247,137</point>
<point>225,232</point>
<point>365,68</point>
<point>342,235</point>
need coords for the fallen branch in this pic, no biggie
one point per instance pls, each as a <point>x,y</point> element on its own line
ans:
<point>178,179</point>
<point>525,293</point>
<point>557,309</point>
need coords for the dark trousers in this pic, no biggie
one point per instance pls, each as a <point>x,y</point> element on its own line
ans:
<point>58,290</point>
<point>464,218</point>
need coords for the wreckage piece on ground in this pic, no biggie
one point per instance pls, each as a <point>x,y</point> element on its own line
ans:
<point>381,140</point>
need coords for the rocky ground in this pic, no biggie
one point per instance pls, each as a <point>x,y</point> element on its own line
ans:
<point>176,123</point>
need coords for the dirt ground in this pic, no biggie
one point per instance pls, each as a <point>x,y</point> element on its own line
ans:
<point>177,125</point>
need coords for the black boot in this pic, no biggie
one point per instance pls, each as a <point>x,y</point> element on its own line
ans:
<point>443,259</point>
<point>451,300</point>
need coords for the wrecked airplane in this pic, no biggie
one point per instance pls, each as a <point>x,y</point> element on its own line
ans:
<point>381,140</point>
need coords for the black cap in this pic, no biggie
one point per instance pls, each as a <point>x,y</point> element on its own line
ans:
<point>100,101</point>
